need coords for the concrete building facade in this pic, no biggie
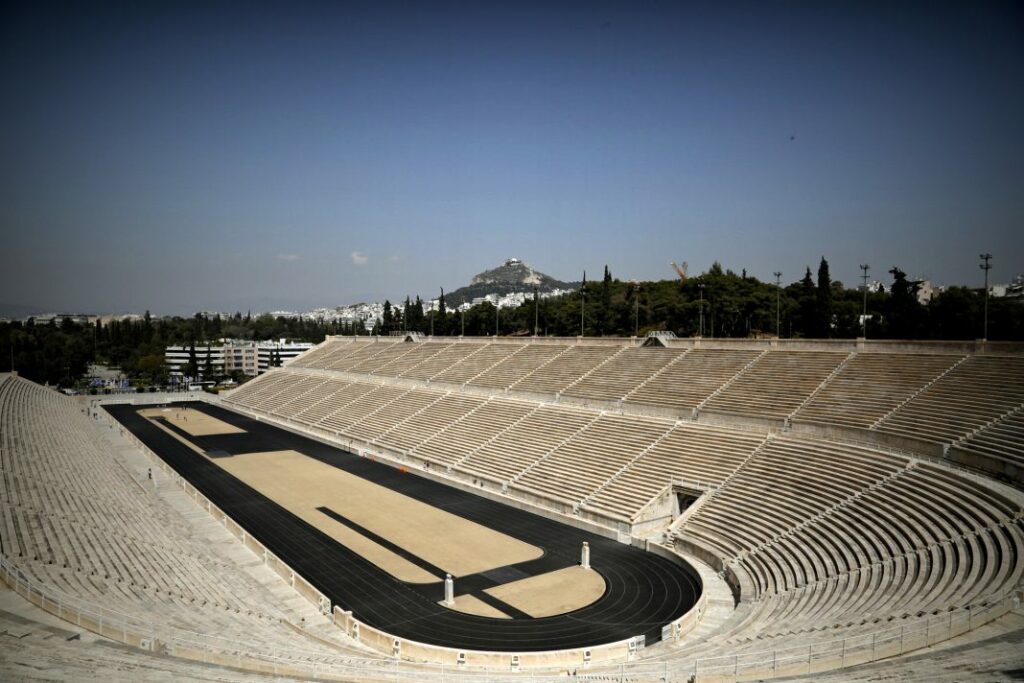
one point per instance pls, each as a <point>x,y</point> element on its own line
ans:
<point>251,358</point>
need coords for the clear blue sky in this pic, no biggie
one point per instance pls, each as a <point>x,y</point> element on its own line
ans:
<point>180,157</point>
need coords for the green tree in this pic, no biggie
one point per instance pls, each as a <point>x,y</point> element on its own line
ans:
<point>387,324</point>
<point>807,306</point>
<point>604,315</point>
<point>441,324</point>
<point>956,314</point>
<point>152,368</point>
<point>904,313</point>
<point>823,312</point>
<point>191,368</point>
<point>208,363</point>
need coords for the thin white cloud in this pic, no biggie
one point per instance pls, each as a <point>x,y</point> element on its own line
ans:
<point>289,257</point>
<point>359,258</point>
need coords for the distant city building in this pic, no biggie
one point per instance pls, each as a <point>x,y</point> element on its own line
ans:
<point>47,318</point>
<point>283,350</point>
<point>233,355</point>
<point>1016,288</point>
<point>510,300</point>
<point>241,357</point>
<point>878,287</point>
<point>1011,291</point>
<point>177,357</point>
<point>925,291</point>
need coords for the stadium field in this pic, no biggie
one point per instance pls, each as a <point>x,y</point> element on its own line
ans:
<point>378,541</point>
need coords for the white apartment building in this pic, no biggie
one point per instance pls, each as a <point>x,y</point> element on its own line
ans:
<point>177,357</point>
<point>230,355</point>
<point>282,348</point>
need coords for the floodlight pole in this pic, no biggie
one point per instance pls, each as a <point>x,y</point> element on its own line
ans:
<point>636,312</point>
<point>583,302</point>
<point>864,315</point>
<point>778,289</point>
<point>985,266</point>
<point>495,318</point>
<point>536,311</point>
<point>701,288</point>
<point>463,321</point>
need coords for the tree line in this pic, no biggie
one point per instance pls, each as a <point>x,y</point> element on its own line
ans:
<point>722,303</point>
<point>59,352</point>
<point>717,303</point>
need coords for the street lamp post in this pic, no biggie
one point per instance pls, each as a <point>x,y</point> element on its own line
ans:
<point>864,315</point>
<point>985,266</point>
<point>778,289</point>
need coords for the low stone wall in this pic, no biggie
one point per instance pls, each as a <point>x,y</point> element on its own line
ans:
<point>578,658</point>
<point>849,345</point>
<point>714,417</point>
<point>843,345</point>
<point>736,585</point>
<point>510,661</point>
<point>1004,469</point>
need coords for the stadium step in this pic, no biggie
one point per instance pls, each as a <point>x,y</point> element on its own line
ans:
<point>725,385</point>
<point>824,383</point>
<point>920,391</point>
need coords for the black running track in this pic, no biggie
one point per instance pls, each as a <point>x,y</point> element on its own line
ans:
<point>644,592</point>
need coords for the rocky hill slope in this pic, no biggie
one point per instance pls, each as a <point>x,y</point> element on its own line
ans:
<point>512,276</point>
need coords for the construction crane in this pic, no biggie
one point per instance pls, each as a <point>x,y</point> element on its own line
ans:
<point>680,270</point>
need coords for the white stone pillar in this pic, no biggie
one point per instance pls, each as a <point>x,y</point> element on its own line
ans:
<point>585,556</point>
<point>449,590</point>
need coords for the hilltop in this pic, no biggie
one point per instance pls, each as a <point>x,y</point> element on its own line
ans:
<point>510,277</point>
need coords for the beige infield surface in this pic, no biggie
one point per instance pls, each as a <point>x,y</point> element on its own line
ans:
<point>192,421</point>
<point>301,484</point>
<point>455,545</point>
<point>553,593</point>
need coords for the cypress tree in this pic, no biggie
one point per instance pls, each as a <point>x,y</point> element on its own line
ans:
<point>389,319</point>
<point>823,314</point>
<point>441,324</point>
<point>606,301</point>
<point>807,306</point>
<point>904,310</point>
<point>208,365</point>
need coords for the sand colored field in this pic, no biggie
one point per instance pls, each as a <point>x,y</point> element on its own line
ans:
<point>192,421</point>
<point>170,432</point>
<point>553,593</point>
<point>301,484</point>
<point>393,564</point>
<point>470,605</point>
